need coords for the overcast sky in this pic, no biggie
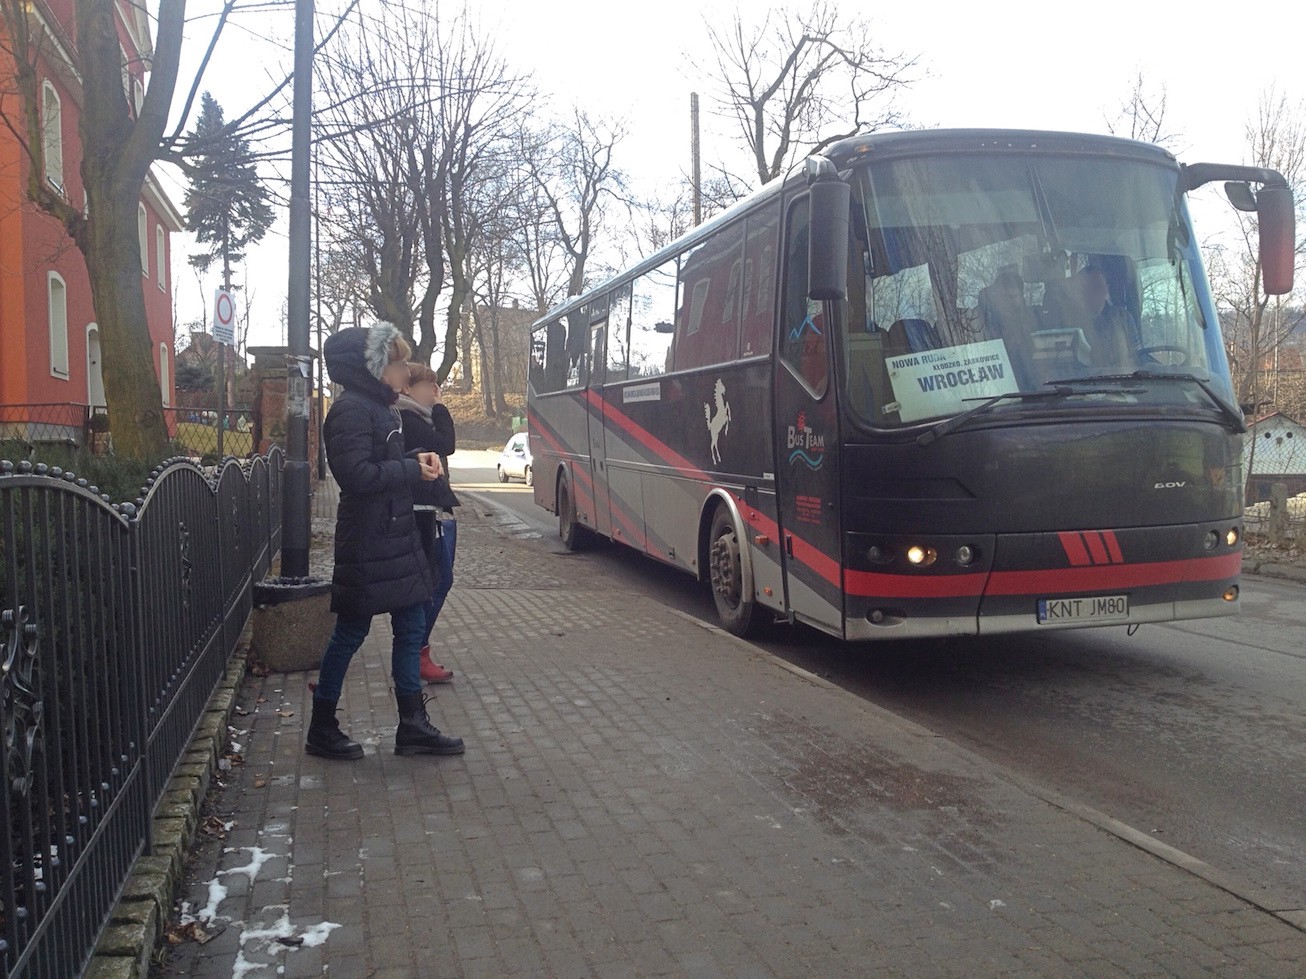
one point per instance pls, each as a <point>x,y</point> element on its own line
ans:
<point>1006,63</point>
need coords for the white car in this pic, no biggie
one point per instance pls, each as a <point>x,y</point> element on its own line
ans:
<point>515,462</point>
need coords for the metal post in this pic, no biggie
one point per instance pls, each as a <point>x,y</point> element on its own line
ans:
<point>696,173</point>
<point>317,296</point>
<point>295,498</point>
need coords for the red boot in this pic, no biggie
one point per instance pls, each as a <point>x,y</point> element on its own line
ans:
<point>433,672</point>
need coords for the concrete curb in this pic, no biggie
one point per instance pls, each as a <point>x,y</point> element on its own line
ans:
<point>137,921</point>
<point>1280,572</point>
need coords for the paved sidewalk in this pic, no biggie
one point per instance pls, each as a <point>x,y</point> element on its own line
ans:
<point>644,796</point>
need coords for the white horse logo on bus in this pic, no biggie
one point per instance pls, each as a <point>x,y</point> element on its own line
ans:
<point>718,422</point>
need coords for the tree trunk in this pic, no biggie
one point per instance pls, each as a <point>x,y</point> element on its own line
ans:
<point>500,403</point>
<point>458,293</point>
<point>131,386</point>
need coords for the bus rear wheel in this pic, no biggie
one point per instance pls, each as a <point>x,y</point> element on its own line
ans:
<point>731,593</point>
<point>574,537</point>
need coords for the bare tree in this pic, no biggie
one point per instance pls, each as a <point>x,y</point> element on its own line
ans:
<point>541,253</point>
<point>482,105</point>
<point>800,80</point>
<point>573,169</point>
<point>1258,324</point>
<point>374,132</point>
<point>1142,114</point>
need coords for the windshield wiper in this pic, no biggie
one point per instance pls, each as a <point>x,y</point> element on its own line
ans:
<point>956,421</point>
<point>1230,414</point>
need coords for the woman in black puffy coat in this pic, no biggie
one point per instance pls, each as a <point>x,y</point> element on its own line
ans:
<point>380,565</point>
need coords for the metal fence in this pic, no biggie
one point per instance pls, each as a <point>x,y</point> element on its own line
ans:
<point>29,431</point>
<point>116,624</point>
<point>1279,520</point>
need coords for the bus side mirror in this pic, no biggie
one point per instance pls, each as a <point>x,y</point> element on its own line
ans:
<point>827,240</point>
<point>1277,221</point>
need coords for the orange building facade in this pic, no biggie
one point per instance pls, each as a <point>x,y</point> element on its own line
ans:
<point>49,339</point>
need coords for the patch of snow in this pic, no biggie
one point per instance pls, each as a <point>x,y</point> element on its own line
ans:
<point>217,894</point>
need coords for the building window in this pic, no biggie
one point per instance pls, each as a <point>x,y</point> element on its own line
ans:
<point>160,257</point>
<point>57,294</point>
<point>165,380</point>
<point>140,233</point>
<point>52,135</point>
<point>138,96</point>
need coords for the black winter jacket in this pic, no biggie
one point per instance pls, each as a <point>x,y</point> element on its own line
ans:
<point>380,565</point>
<point>430,432</point>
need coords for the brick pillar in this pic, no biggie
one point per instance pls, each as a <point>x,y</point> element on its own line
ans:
<point>270,402</point>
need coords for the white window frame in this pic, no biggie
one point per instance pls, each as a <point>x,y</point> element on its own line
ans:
<point>52,134</point>
<point>141,225</point>
<point>161,256</point>
<point>165,374</point>
<point>58,324</point>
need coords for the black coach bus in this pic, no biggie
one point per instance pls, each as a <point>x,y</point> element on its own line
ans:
<point>930,383</point>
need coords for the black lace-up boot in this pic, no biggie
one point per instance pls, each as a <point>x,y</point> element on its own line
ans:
<point>325,739</point>
<point>416,734</point>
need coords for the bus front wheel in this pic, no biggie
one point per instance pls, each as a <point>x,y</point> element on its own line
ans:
<point>732,594</point>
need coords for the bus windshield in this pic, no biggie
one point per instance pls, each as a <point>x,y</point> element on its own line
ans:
<point>979,276</point>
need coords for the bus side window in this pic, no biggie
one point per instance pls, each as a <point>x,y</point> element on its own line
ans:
<point>652,313</point>
<point>759,282</point>
<point>577,335</point>
<point>803,324</point>
<point>707,322</point>
<point>618,334</point>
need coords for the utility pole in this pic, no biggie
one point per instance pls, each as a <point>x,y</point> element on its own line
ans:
<point>295,486</point>
<point>696,173</point>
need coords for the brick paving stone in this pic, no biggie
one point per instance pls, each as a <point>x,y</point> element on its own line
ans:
<point>643,797</point>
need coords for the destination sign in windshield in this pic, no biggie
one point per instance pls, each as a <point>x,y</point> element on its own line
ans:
<point>933,383</point>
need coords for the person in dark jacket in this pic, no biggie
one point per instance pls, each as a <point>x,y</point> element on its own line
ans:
<point>380,565</point>
<point>428,427</point>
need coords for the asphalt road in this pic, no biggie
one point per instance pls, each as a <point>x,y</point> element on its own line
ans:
<point>1193,732</point>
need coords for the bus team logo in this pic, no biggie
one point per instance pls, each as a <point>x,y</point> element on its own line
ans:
<point>718,422</point>
<point>805,445</point>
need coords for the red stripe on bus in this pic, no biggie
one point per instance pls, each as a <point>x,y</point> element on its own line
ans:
<point>873,584</point>
<point>1113,546</point>
<point>1074,547</point>
<point>1096,549</point>
<point>651,442</point>
<point>1060,581</point>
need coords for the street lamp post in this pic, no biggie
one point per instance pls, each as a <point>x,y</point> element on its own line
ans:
<point>295,499</point>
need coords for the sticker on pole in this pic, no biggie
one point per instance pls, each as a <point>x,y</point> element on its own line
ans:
<point>931,383</point>
<point>224,317</point>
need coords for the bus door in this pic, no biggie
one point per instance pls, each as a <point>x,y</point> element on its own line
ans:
<point>597,442</point>
<point>807,441</point>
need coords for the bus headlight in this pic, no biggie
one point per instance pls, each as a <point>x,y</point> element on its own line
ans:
<point>1210,540</point>
<point>1231,538</point>
<point>922,557</point>
<point>879,555</point>
<point>965,555</point>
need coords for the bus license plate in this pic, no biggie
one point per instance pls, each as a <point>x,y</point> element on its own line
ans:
<point>1099,608</point>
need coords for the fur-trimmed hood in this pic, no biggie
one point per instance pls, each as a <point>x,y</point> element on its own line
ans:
<point>357,356</point>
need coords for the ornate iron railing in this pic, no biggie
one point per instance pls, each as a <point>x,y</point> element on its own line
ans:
<point>116,624</point>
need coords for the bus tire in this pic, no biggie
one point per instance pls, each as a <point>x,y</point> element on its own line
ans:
<point>574,537</point>
<point>731,593</point>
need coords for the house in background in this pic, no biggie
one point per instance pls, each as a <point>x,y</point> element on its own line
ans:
<point>1274,451</point>
<point>49,341</point>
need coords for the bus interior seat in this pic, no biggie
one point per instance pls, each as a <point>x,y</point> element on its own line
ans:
<point>911,336</point>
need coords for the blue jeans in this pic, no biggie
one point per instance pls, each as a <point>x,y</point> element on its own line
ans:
<point>445,549</point>
<point>407,625</point>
